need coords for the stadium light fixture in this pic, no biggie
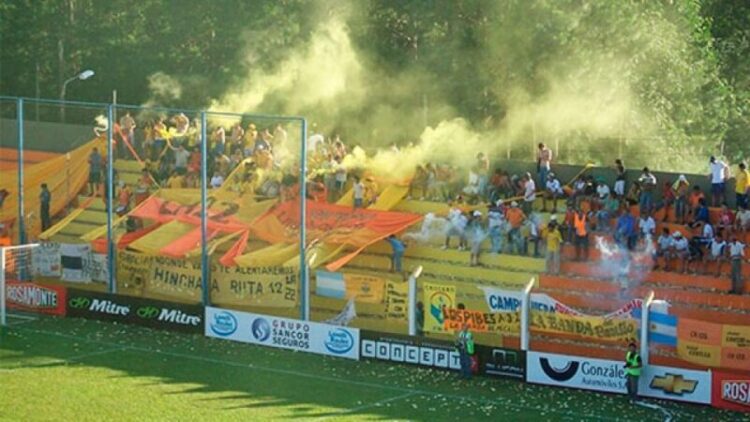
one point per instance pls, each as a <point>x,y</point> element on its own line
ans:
<point>82,76</point>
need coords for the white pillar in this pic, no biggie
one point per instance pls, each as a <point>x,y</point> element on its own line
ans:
<point>412,302</point>
<point>525,306</point>
<point>644,326</point>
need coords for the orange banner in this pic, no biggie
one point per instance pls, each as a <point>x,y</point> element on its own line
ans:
<point>700,332</point>
<point>714,345</point>
<point>221,214</point>
<point>333,224</point>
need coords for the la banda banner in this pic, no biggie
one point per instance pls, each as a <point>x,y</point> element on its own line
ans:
<point>34,297</point>
<point>437,354</point>
<point>284,333</point>
<point>132,310</point>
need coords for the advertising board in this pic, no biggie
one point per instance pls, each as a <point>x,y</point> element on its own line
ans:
<point>730,390</point>
<point>34,297</point>
<point>662,382</point>
<point>576,372</point>
<point>284,333</point>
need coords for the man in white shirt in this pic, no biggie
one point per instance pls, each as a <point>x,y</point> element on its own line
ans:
<point>554,191</point>
<point>217,180</point>
<point>544,162</point>
<point>736,255</point>
<point>359,193</point>
<point>647,226</point>
<point>717,252</point>
<point>495,223</point>
<point>742,220</point>
<point>719,175</point>
<point>680,249</point>
<point>529,193</point>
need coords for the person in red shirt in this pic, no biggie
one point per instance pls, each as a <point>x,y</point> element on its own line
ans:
<point>726,220</point>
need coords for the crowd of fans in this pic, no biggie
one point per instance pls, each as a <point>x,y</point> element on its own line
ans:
<point>171,156</point>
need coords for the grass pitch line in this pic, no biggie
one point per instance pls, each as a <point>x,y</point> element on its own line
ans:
<point>125,347</point>
<point>88,355</point>
<point>368,406</point>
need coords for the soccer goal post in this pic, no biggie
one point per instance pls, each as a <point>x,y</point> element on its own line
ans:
<point>15,265</point>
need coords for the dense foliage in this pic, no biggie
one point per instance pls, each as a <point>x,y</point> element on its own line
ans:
<point>587,75</point>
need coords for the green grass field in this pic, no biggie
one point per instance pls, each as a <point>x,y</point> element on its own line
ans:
<point>73,369</point>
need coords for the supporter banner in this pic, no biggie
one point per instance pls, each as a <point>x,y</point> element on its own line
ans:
<point>272,286</point>
<point>99,269</point>
<point>500,322</point>
<point>361,288</point>
<point>221,214</point>
<point>730,391</point>
<point>501,300</point>
<point>614,330</point>
<point>714,345</point>
<point>75,261</point>
<point>133,268</point>
<point>679,384</point>
<point>437,297</point>
<point>45,260</point>
<point>409,350</point>
<point>576,372</point>
<point>176,278</point>
<point>396,299</point>
<point>35,297</point>
<point>131,310</point>
<point>500,362</point>
<point>284,333</point>
<point>330,223</point>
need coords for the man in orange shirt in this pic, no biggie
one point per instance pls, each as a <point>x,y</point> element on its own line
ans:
<point>581,235</point>
<point>515,217</point>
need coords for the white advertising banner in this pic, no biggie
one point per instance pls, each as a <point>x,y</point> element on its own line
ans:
<point>576,372</point>
<point>663,382</point>
<point>284,333</point>
<point>76,262</point>
<point>45,260</point>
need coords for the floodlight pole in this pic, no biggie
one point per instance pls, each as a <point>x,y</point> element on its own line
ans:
<point>21,135</point>
<point>110,209</point>
<point>303,279</point>
<point>205,270</point>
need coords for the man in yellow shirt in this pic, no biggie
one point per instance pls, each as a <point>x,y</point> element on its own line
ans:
<point>554,239</point>
<point>176,181</point>
<point>742,186</point>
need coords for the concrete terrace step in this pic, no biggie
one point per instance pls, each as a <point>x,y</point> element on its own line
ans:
<point>447,271</point>
<point>128,166</point>
<point>504,261</point>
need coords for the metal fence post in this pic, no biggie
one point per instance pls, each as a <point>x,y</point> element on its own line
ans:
<point>21,211</point>
<point>304,288</point>
<point>205,270</point>
<point>525,311</point>
<point>110,190</point>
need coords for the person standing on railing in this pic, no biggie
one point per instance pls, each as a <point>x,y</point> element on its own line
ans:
<point>398,252</point>
<point>633,366</point>
<point>45,197</point>
<point>95,172</point>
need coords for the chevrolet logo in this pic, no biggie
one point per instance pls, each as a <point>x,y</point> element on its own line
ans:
<point>673,384</point>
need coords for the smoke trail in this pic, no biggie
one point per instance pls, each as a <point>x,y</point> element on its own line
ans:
<point>628,268</point>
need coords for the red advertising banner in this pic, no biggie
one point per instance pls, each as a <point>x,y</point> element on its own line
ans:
<point>730,391</point>
<point>35,297</point>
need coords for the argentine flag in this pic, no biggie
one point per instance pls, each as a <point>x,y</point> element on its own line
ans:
<point>662,327</point>
<point>330,284</point>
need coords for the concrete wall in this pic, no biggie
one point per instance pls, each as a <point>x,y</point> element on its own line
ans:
<point>45,136</point>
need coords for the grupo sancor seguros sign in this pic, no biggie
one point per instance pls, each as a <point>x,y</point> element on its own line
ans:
<point>283,333</point>
<point>135,310</point>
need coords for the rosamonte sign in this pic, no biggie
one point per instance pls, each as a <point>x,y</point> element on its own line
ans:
<point>35,297</point>
<point>730,391</point>
<point>140,311</point>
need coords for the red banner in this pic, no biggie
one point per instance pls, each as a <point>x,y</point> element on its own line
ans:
<point>330,223</point>
<point>35,297</point>
<point>221,215</point>
<point>730,391</point>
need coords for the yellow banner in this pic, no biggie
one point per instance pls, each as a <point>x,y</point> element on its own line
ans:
<point>396,298</point>
<point>615,330</point>
<point>133,269</point>
<point>364,288</point>
<point>437,298</point>
<point>176,278</point>
<point>698,353</point>
<point>735,336</point>
<point>274,286</point>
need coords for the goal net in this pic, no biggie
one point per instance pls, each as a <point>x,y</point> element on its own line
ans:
<point>15,267</point>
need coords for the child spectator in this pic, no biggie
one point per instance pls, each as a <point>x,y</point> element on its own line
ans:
<point>663,246</point>
<point>716,253</point>
<point>553,239</point>
<point>553,191</point>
